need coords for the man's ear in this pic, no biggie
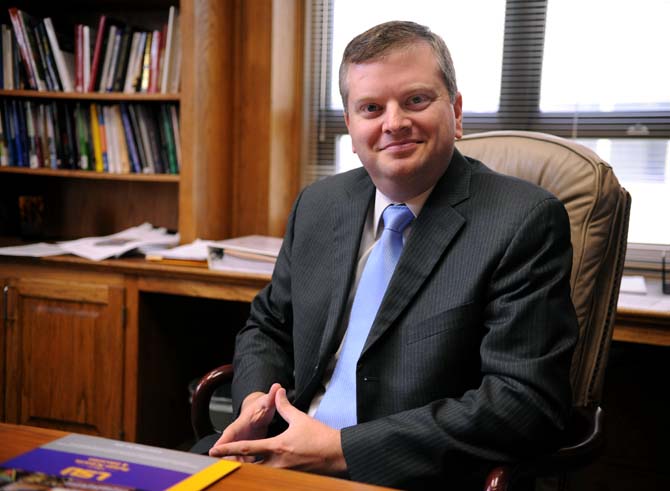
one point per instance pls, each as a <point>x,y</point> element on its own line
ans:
<point>346,122</point>
<point>458,115</point>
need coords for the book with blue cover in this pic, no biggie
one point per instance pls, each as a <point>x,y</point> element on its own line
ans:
<point>101,464</point>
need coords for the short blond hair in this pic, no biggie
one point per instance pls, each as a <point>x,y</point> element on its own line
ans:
<point>380,40</point>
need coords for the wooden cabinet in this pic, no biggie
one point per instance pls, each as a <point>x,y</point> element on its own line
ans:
<point>110,348</point>
<point>64,343</point>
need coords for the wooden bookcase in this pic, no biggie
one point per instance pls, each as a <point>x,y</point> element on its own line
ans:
<point>240,119</point>
<point>241,129</point>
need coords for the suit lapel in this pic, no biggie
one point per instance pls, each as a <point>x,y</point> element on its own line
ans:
<point>432,232</point>
<point>349,212</point>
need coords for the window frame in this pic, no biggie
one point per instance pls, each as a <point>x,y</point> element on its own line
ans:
<point>519,106</point>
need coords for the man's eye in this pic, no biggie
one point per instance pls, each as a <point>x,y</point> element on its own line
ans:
<point>417,100</point>
<point>370,108</point>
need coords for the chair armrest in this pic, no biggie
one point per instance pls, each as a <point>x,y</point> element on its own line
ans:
<point>200,420</point>
<point>583,443</point>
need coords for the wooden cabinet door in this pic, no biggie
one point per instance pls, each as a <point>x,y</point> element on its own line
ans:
<point>64,345</point>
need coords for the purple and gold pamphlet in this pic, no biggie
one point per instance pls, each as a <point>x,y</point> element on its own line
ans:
<point>100,464</point>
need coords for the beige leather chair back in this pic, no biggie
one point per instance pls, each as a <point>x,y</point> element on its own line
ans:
<point>598,208</point>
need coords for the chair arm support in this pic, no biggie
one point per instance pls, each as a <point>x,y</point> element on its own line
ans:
<point>200,420</point>
<point>583,444</point>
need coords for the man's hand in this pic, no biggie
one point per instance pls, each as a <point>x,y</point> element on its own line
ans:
<point>256,414</point>
<point>307,444</point>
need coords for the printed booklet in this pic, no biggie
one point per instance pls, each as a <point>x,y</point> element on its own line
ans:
<point>100,464</point>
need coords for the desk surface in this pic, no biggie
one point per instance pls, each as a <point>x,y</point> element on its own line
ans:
<point>644,318</point>
<point>19,439</point>
<point>640,318</point>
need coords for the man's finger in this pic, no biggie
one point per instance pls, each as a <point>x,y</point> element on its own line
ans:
<point>284,407</point>
<point>243,448</point>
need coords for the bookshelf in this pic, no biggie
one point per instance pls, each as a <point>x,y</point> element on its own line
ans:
<point>240,110</point>
<point>240,121</point>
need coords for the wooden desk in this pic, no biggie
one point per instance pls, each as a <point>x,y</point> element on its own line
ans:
<point>19,439</point>
<point>109,348</point>
<point>644,318</point>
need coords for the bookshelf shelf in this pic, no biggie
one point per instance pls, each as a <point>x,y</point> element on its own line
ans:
<point>90,96</point>
<point>82,174</point>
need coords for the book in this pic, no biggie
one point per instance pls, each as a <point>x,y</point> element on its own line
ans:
<point>82,136</point>
<point>109,49</point>
<point>24,49</point>
<point>101,464</point>
<point>95,136</point>
<point>168,139</point>
<point>122,64</point>
<point>61,66</point>
<point>122,152</point>
<point>137,134</point>
<point>250,254</point>
<point>4,152</point>
<point>136,165</point>
<point>146,64</point>
<point>177,134</point>
<point>86,57</point>
<point>97,54</point>
<point>29,23</point>
<point>169,51</point>
<point>154,57</point>
<point>51,137</point>
<point>132,70</point>
<point>48,60</point>
<point>7,57</point>
<point>78,58</point>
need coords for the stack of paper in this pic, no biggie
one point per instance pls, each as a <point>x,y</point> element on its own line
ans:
<point>249,254</point>
<point>142,238</point>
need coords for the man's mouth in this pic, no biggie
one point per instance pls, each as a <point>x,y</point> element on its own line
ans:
<point>400,145</point>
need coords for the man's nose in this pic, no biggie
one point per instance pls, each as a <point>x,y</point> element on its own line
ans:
<point>395,119</point>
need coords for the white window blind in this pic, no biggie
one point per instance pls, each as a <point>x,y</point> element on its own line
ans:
<point>594,70</point>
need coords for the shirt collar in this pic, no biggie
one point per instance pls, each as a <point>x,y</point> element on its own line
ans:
<point>415,205</point>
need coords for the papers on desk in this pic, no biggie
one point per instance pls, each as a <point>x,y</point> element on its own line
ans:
<point>633,284</point>
<point>142,238</point>
<point>41,249</point>
<point>248,254</point>
<point>651,299</point>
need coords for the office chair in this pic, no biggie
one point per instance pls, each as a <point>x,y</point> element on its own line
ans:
<point>598,208</point>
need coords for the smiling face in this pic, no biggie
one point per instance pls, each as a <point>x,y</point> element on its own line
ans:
<point>401,120</point>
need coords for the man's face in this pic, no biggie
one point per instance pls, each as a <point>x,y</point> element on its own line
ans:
<point>401,121</point>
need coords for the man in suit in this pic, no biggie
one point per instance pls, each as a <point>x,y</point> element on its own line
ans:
<point>466,360</point>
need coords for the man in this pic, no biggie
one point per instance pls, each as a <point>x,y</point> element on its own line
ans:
<point>466,360</point>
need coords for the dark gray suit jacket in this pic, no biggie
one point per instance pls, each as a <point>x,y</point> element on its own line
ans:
<point>468,359</point>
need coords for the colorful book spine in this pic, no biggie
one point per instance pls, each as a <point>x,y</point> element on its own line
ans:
<point>103,140</point>
<point>95,136</point>
<point>4,153</point>
<point>168,138</point>
<point>136,166</point>
<point>97,53</point>
<point>134,120</point>
<point>51,137</point>
<point>146,65</point>
<point>23,47</point>
<point>29,33</point>
<point>82,134</point>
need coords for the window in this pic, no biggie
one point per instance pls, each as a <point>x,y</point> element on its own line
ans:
<point>594,71</point>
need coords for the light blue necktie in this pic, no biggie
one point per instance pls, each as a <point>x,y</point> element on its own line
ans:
<point>338,406</point>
